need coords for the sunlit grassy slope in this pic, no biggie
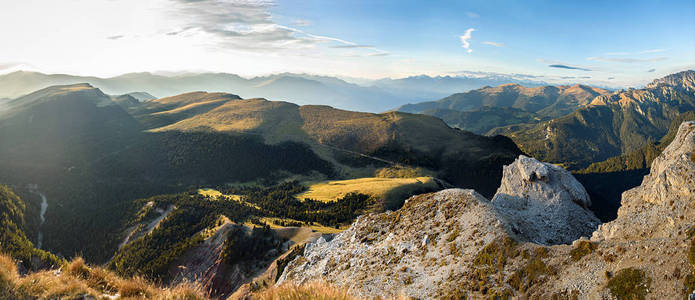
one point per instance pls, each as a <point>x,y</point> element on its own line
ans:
<point>356,143</point>
<point>389,190</point>
<point>299,236</point>
<point>76,280</point>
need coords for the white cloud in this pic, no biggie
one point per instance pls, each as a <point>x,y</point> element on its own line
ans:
<point>626,59</point>
<point>302,22</point>
<point>471,14</point>
<point>248,25</point>
<point>464,40</point>
<point>635,53</point>
<point>652,51</point>
<point>496,44</point>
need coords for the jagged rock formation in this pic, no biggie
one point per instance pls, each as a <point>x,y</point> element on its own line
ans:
<point>544,202</point>
<point>455,244</point>
<point>436,235</point>
<point>663,199</point>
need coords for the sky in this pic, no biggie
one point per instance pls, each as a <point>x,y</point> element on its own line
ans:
<point>609,43</point>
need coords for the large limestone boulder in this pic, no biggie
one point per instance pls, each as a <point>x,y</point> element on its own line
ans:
<point>544,203</point>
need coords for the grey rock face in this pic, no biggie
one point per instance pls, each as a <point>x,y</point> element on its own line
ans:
<point>405,252</point>
<point>656,208</point>
<point>544,203</point>
<point>673,171</point>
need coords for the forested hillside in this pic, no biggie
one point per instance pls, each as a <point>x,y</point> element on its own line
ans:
<point>92,156</point>
<point>13,239</point>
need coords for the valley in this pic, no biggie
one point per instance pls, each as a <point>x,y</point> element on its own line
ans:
<point>347,150</point>
<point>232,195</point>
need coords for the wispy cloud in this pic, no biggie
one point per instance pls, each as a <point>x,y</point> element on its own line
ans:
<point>575,77</point>
<point>651,70</point>
<point>249,25</point>
<point>626,59</point>
<point>568,67</point>
<point>471,14</point>
<point>496,44</point>
<point>352,46</point>
<point>630,57</point>
<point>302,22</point>
<point>649,51</point>
<point>465,40</point>
<point>115,37</point>
<point>652,51</point>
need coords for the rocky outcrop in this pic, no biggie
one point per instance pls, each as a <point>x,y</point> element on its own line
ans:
<point>544,203</point>
<point>414,251</point>
<point>657,208</point>
<point>411,251</point>
<point>456,244</point>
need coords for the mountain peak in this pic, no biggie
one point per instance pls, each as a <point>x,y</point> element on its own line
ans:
<point>683,79</point>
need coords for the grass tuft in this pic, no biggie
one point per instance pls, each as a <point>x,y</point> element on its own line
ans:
<point>496,253</point>
<point>310,291</point>
<point>80,281</point>
<point>583,248</point>
<point>629,283</point>
<point>77,268</point>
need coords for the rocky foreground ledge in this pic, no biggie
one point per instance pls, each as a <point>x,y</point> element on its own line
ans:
<point>455,243</point>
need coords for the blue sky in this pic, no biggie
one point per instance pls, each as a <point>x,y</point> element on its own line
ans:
<point>614,43</point>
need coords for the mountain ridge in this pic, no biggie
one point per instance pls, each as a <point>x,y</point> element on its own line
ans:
<point>470,110</point>
<point>610,125</point>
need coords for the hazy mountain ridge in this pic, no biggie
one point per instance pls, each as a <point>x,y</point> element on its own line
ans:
<point>372,96</point>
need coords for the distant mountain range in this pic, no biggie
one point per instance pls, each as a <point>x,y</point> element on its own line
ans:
<point>610,125</point>
<point>370,96</point>
<point>483,109</point>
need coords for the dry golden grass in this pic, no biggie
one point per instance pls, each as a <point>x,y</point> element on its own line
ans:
<point>275,121</point>
<point>310,291</point>
<point>77,280</point>
<point>316,227</point>
<point>354,131</point>
<point>215,194</point>
<point>377,187</point>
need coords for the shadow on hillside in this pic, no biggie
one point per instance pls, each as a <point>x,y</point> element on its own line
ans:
<point>606,189</point>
